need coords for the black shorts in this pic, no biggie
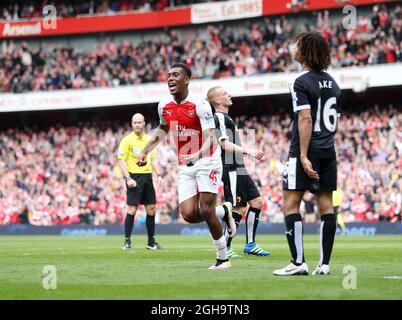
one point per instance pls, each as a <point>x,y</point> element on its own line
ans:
<point>144,192</point>
<point>238,187</point>
<point>295,178</point>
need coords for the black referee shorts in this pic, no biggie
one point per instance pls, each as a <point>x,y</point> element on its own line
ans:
<point>295,178</point>
<point>143,192</point>
<point>238,187</point>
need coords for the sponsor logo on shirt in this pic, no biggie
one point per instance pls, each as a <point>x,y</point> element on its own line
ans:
<point>182,131</point>
<point>208,116</point>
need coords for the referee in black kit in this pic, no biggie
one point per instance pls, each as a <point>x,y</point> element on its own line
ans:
<point>140,189</point>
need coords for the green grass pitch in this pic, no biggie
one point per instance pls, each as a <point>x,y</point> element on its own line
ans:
<point>98,268</point>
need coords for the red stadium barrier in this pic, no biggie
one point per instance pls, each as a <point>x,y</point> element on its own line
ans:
<point>118,22</point>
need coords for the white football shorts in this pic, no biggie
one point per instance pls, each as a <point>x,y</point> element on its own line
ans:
<point>204,176</point>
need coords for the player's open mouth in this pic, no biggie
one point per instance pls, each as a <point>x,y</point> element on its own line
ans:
<point>172,86</point>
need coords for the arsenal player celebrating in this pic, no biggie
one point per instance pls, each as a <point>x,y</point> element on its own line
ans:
<point>189,118</point>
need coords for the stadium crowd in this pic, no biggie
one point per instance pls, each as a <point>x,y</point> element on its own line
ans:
<point>22,9</point>
<point>213,51</point>
<point>68,175</point>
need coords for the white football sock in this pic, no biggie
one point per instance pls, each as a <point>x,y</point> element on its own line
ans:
<point>220,245</point>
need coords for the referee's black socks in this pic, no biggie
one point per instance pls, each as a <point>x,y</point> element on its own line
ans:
<point>128,226</point>
<point>327,236</point>
<point>294,235</point>
<point>150,222</point>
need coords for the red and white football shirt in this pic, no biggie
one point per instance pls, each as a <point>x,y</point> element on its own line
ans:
<point>186,121</point>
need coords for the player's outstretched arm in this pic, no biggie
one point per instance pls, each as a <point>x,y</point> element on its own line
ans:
<point>159,134</point>
<point>231,147</point>
<point>305,124</point>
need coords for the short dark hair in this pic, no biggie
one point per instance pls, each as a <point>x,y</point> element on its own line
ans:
<point>183,66</point>
<point>313,50</point>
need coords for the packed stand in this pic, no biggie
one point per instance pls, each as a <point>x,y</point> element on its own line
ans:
<point>68,175</point>
<point>16,10</point>
<point>214,51</point>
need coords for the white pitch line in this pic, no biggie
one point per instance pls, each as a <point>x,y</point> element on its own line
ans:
<point>393,277</point>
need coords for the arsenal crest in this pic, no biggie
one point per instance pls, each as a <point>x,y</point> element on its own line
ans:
<point>191,113</point>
